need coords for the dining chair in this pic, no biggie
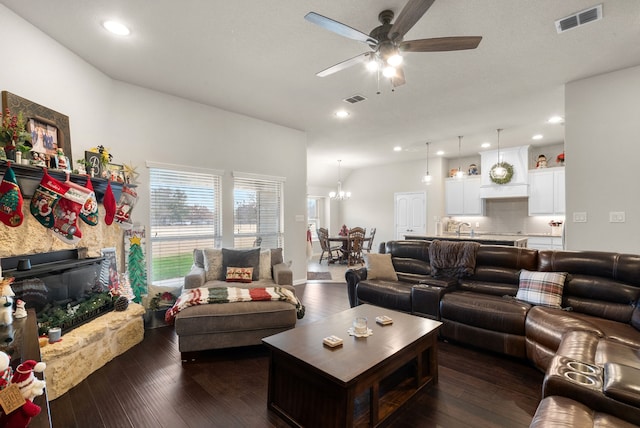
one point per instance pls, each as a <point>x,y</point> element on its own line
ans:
<point>370,243</point>
<point>356,242</point>
<point>325,245</point>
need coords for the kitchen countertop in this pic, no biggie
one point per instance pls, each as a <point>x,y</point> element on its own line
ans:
<point>495,239</point>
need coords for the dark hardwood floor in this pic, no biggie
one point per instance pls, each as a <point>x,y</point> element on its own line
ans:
<point>149,387</point>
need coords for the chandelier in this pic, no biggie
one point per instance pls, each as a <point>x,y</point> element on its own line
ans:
<point>340,195</point>
<point>427,178</point>
<point>459,172</point>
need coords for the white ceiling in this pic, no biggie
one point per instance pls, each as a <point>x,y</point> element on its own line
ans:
<point>259,58</point>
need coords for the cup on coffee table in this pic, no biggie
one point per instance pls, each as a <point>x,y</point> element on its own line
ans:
<point>360,325</point>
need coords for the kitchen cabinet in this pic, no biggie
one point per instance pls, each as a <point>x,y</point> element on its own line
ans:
<point>545,242</point>
<point>546,191</point>
<point>462,196</point>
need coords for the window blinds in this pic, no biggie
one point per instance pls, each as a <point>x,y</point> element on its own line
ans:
<point>257,216</point>
<point>185,214</point>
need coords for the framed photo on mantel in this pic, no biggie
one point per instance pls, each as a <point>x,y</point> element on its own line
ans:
<point>50,128</point>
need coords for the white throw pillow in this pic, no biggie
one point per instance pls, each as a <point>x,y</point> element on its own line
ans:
<point>542,288</point>
<point>380,266</point>
<point>213,264</point>
<point>265,264</point>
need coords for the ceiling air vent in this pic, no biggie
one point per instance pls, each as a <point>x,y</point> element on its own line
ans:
<point>354,99</point>
<point>580,18</point>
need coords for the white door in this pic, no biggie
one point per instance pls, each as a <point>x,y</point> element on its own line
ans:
<point>411,214</point>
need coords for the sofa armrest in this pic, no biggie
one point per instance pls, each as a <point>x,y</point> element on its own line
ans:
<point>353,277</point>
<point>195,278</point>
<point>282,274</point>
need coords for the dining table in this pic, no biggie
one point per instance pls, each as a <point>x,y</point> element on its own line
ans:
<point>346,245</point>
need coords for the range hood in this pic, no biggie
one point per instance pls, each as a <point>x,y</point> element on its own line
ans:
<point>518,187</point>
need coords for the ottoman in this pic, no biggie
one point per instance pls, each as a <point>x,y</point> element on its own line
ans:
<point>225,325</point>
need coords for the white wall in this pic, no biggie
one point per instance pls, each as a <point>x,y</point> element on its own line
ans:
<point>602,150</point>
<point>373,190</point>
<point>140,125</point>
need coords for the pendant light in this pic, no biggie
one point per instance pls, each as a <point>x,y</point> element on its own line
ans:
<point>427,178</point>
<point>459,173</point>
<point>498,171</point>
<point>340,195</point>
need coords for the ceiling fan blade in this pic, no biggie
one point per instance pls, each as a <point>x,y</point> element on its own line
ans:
<point>410,14</point>
<point>398,79</point>
<point>344,64</point>
<point>441,44</point>
<point>339,28</point>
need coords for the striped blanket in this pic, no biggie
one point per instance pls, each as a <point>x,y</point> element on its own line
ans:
<point>203,296</point>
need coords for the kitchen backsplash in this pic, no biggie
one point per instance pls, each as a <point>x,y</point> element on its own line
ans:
<point>509,216</point>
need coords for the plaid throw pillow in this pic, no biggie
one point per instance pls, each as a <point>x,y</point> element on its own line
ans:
<point>541,288</point>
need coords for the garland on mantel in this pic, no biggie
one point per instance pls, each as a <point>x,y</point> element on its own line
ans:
<point>508,176</point>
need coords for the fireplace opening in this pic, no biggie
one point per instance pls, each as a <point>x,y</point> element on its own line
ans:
<point>63,288</point>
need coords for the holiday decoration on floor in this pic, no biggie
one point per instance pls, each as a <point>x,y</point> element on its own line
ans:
<point>57,206</point>
<point>10,199</point>
<point>29,387</point>
<point>128,199</point>
<point>136,264</point>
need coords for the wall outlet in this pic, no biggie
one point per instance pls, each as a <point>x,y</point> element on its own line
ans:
<point>477,224</point>
<point>616,217</point>
<point>580,217</point>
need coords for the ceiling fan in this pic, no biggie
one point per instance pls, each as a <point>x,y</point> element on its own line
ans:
<point>385,41</point>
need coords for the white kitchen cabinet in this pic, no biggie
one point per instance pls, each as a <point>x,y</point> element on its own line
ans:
<point>463,196</point>
<point>544,242</point>
<point>546,191</point>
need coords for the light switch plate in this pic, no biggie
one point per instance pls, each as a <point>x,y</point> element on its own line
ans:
<point>616,217</point>
<point>579,217</point>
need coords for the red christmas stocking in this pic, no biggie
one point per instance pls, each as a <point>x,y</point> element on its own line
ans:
<point>89,211</point>
<point>47,195</point>
<point>66,213</point>
<point>109,202</point>
<point>128,199</point>
<point>10,200</point>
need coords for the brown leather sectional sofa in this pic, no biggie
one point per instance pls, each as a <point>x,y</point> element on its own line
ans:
<point>589,349</point>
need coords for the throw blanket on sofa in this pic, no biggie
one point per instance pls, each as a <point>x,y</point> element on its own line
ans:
<point>204,295</point>
<point>453,258</point>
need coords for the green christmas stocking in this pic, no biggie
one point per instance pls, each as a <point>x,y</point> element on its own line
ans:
<point>10,200</point>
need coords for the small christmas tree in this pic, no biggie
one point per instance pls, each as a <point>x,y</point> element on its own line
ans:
<point>137,269</point>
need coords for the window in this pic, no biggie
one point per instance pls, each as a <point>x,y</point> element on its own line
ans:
<point>257,215</point>
<point>185,214</point>
<point>313,215</point>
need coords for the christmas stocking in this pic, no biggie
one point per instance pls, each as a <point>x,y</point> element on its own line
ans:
<point>57,206</point>
<point>47,195</point>
<point>89,211</point>
<point>109,202</point>
<point>10,200</point>
<point>128,199</point>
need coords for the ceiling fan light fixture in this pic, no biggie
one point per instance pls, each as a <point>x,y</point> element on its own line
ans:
<point>389,71</point>
<point>373,65</point>
<point>395,60</point>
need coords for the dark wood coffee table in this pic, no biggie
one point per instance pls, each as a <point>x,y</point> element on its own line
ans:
<point>359,383</point>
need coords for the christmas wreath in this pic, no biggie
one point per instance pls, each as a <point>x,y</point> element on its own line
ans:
<point>508,175</point>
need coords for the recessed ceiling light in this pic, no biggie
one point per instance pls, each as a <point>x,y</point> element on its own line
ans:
<point>485,145</point>
<point>397,149</point>
<point>556,119</point>
<point>116,28</point>
<point>342,113</point>
<point>440,152</point>
<point>537,137</point>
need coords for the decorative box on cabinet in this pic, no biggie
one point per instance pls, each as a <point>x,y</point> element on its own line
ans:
<point>462,196</point>
<point>546,191</point>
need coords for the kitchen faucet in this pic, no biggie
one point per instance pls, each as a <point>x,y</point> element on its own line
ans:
<point>460,226</point>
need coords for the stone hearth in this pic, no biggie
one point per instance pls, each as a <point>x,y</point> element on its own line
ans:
<point>89,347</point>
